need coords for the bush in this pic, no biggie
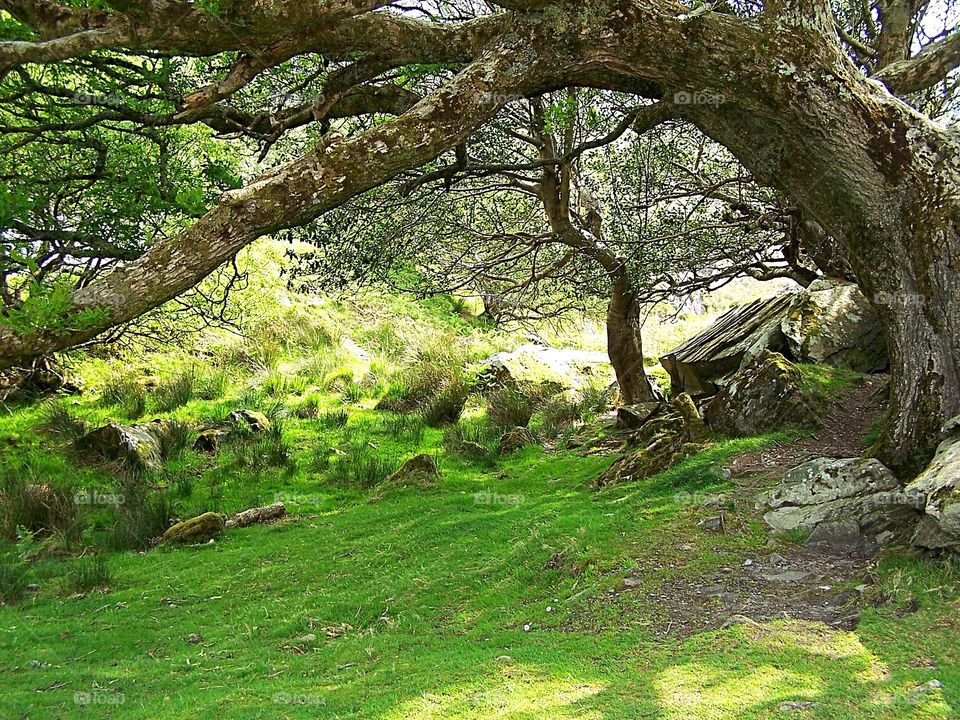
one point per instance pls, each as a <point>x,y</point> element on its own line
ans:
<point>508,408</point>
<point>175,392</point>
<point>90,574</point>
<point>59,420</point>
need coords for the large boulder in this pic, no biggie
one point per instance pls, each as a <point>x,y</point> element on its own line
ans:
<point>538,366</point>
<point>832,322</point>
<point>937,492</point>
<point>828,490</point>
<point>764,396</point>
<point>701,365</point>
<point>139,446</point>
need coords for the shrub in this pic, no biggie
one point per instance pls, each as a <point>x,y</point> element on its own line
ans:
<point>90,574</point>
<point>59,420</point>
<point>508,408</point>
<point>175,392</point>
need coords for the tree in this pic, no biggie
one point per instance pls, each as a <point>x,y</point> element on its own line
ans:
<point>773,82</point>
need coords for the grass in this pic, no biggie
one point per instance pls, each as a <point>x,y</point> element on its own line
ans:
<point>495,592</point>
<point>823,383</point>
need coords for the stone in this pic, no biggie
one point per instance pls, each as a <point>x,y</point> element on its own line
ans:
<point>788,576</point>
<point>539,366</point>
<point>795,705</point>
<point>631,417</point>
<point>694,427</point>
<point>936,492</point>
<point>251,420</point>
<point>136,445</point>
<point>840,536</point>
<point>826,489</point>
<point>833,323</point>
<point>256,515</point>
<point>195,530</point>
<point>712,524</point>
<point>702,365</point>
<point>420,469</point>
<point>473,450</point>
<point>765,396</point>
<point>209,441</point>
<point>519,437</point>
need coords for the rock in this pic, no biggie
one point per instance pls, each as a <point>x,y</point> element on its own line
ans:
<point>257,515</point>
<point>788,576</point>
<point>209,441</point>
<point>137,445</point>
<point>712,524</point>
<point>841,536</point>
<point>794,705</point>
<point>832,322</point>
<point>674,433</point>
<point>936,492</point>
<point>634,416</point>
<point>473,450</point>
<point>251,420</point>
<point>539,366</point>
<point>928,686</point>
<point>701,365</point>
<point>519,437</point>
<point>825,489</point>
<point>195,530</point>
<point>764,396</point>
<point>421,469</point>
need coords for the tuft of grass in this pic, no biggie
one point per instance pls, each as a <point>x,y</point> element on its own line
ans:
<point>175,392</point>
<point>13,581</point>
<point>403,426</point>
<point>59,420</point>
<point>213,385</point>
<point>333,419</point>
<point>447,405</point>
<point>127,393</point>
<point>508,407</point>
<point>40,508</point>
<point>474,438</point>
<point>175,438</point>
<point>90,574</point>
<point>360,468</point>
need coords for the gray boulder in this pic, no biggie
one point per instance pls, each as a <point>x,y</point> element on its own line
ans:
<point>832,322</point>
<point>537,366</point>
<point>764,396</point>
<point>827,490</point>
<point>701,365</point>
<point>140,446</point>
<point>937,492</point>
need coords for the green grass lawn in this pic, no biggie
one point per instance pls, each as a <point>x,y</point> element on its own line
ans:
<point>483,596</point>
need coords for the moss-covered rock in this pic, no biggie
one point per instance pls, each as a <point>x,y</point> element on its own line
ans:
<point>519,437</point>
<point>548,369</point>
<point>765,396</point>
<point>420,470</point>
<point>139,446</point>
<point>195,530</point>
<point>251,420</point>
<point>937,491</point>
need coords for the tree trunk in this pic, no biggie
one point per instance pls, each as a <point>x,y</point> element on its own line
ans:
<point>624,344</point>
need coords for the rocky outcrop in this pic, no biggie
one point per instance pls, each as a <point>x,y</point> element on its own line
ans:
<point>827,490</point>
<point>519,437</point>
<point>832,322</point>
<point>699,365</point>
<point>829,322</point>
<point>937,493</point>
<point>538,366</point>
<point>195,530</point>
<point>420,470</point>
<point>763,397</point>
<point>139,446</point>
<point>675,433</point>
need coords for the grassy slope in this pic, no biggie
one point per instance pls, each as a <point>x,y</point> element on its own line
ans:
<point>421,598</point>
